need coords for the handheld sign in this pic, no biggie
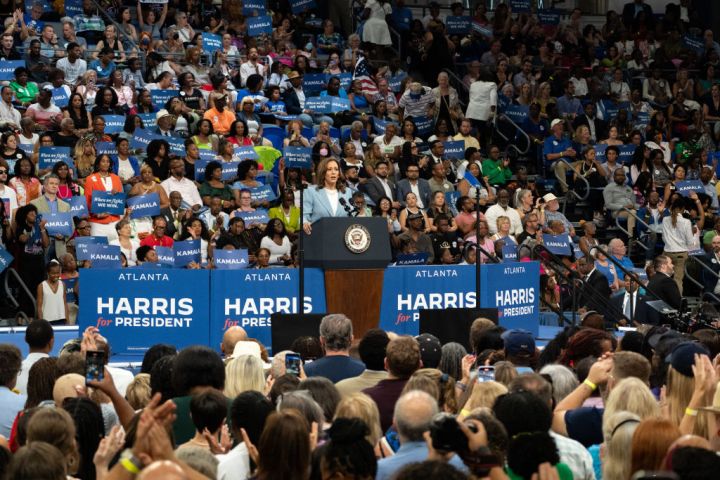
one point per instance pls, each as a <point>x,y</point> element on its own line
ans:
<point>455,150</point>
<point>78,206</point>
<point>166,256</point>
<point>548,17</point>
<point>318,104</point>
<point>7,69</point>
<point>104,256</point>
<point>177,145</point>
<point>299,6</point>
<point>686,187</point>
<point>257,26</point>
<point>160,97</point>
<point>510,252</point>
<point>517,113</point>
<point>148,119</point>
<point>211,42</point>
<point>231,259</point>
<point>558,244</point>
<point>424,125</point>
<point>107,202</point>
<point>82,244</point>
<point>298,157</point>
<point>229,170</point>
<point>49,156</point>
<point>314,83</point>
<point>338,104</point>
<point>262,194</point>
<point>143,137</point>
<point>60,97</point>
<point>59,224</point>
<point>186,252</point>
<point>380,125</point>
<point>254,7</point>
<point>520,6</point>
<point>418,258</point>
<point>626,153</point>
<point>107,148</point>
<point>395,83</point>
<point>458,25</point>
<point>200,166</point>
<point>144,205</point>
<point>114,123</point>
<point>246,153</point>
<point>6,259</point>
<point>258,217</point>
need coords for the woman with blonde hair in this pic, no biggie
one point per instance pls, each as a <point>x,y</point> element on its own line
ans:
<point>483,395</point>
<point>631,395</point>
<point>680,388</point>
<point>618,430</point>
<point>242,374</point>
<point>447,400</point>
<point>88,88</point>
<point>545,100</point>
<point>84,156</point>
<point>138,392</point>
<point>359,405</point>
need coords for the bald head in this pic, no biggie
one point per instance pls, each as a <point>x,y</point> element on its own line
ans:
<point>413,414</point>
<point>163,470</point>
<point>66,387</point>
<point>232,336</point>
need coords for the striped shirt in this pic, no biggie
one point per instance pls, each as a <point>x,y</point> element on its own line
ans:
<point>419,107</point>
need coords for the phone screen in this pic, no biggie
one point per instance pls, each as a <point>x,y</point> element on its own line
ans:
<point>94,366</point>
<point>485,374</point>
<point>292,364</point>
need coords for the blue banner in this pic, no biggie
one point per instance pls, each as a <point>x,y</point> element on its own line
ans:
<point>424,126</point>
<point>6,259</point>
<point>257,26</point>
<point>517,113</point>
<point>548,17</point>
<point>231,259</point>
<point>60,97</point>
<point>7,69</point>
<point>258,217</point>
<point>249,298</point>
<point>318,104</point>
<point>458,25</point>
<point>246,153</point>
<point>104,256</point>
<point>186,252</point>
<point>262,194</point>
<point>166,256</point>
<point>49,156</point>
<point>520,6</point>
<point>82,245</point>
<point>135,309</point>
<point>114,123</point>
<point>338,104</point>
<point>253,7</point>
<point>107,202</point>
<point>143,137</point>
<point>78,206</point>
<point>686,187</point>
<point>299,6</point>
<point>59,224</point>
<point>558,244</point>
<point>211,42</point>
<point>455,150</point>
<point>108,148</point>
<point>512,288</point>
<point>314,83</point>
<point>298,157</point>
<point>144,205</point>
<point>417,258</point>
<point>160,97</point>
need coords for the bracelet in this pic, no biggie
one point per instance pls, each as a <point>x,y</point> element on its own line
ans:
<point>465,412</point>
<point>590,384</point>
<point>461,386</point>
<point>128,465</point>
<point>691,412</point>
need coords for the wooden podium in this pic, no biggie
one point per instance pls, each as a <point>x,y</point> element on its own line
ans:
<point>354,253</point>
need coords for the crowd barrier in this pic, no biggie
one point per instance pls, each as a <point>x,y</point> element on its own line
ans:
<point>136,308</point>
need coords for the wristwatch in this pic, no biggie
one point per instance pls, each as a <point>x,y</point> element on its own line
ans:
<point>130,462</point>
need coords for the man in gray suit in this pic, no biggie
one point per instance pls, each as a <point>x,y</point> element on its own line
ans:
<point>380,185</point>
<point>413,183</point>
<point>48,203</point>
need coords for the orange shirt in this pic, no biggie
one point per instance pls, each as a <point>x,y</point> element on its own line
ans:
<point>94,182</point>
<point>221,121</point>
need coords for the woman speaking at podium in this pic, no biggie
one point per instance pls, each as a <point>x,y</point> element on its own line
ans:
<point>328,198</point>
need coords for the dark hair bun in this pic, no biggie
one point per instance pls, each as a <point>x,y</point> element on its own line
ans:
<point>348,430</point>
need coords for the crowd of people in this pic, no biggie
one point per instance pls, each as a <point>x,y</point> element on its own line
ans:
<point>384,406</point>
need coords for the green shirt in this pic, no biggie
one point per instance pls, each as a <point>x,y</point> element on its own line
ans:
<point>496,173</point>
<point>224,193</point>
<point>25,94</point>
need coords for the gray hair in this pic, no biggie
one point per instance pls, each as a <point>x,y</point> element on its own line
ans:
<point>50,176</point>
<point>337,331</point>
<point>451,359</point>
<point>302,401</point>
<point>199,459</point>
<point>564,380</point>
<point>356,124</point>
<point>277,369</point>
<point>413,413</point>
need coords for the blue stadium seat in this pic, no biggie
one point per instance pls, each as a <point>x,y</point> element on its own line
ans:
<point>275,134</point>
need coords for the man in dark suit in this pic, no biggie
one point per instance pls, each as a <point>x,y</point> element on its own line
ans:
<point>380,185</point>
<point>662,285</point>
<point>629,305</point>
<point>413,183</point>
<point>631,11</point>
<point>712,261</point>
<point>595,290</point>
<point>174,215</point>
<point>598,128</point>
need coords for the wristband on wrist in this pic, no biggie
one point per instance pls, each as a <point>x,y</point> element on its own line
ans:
<point>129,466</point>
<point>461,386</point>
<point>590,385</point>
<point>691,412</point>
<point>465,412</point>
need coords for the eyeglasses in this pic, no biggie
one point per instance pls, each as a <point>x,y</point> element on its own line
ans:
<point>84,227</point>
<point>3,172</point>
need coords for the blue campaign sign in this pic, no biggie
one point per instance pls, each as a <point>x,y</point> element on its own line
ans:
<point>211,42</point>
<point>693,43</point>
<point>455,150</point>
<point>558,244</point>
<point>381,124</point>
<point>114,123</point>
<point>248,299</point>
<point>458,25</point>
<point>108,148</point>
<point>424,125</point>
<point>686,187</point>
<point>160,97</point>
<point>451,199</point>
<point>253,7</point>
<point>520,6</point>
<point>135,309</point>
<point>73,8</point>
<point>262,194</point>
<point>258,217</point>
<point>49,156</point>
<point>107,202</point>
<point>245,153</point>
<point>626,153</point>
<point>207,155</point>
<point>314,83</point>
<point>484,30</point>
<point>177,145</point>
<point>166,256</point>
<point>144,205</point>
<point>59,224</point>
<point>257,26</point>
<point>200,169</point>
<point>318,104</point>
<point>148,119</point>
<point>517,113</point>
<point>231,259</point>
<point>78,206</point>
<point>338,104</point>
<point>395,83</point>
<point>509,252</point>
<point>298,157</point>
<point>186,252</point>
<point>299,6</point>
<point>548,17</point>
<point>229,170</point>
<point>417,258</point>
<point>7,69</point>
<point>143,137</point>
<point>512,288</point>
<point>345,81</point>
<point>104,256</point>
<point>82,245</point>
<point>6,259</point>
<point>600,152</point>
<point>60,97</point>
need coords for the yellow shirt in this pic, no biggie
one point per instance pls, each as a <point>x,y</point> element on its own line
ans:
<point>470,141</point>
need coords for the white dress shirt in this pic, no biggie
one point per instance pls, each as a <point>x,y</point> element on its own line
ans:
<point>187,189</point>
<point>22,379</point>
